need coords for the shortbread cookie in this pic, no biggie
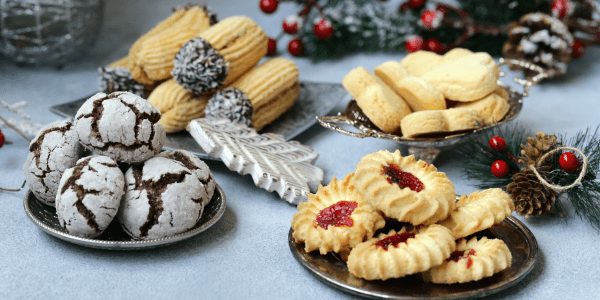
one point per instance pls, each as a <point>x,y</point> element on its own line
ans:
<point>466,78</point>
<point>163,198</point>
<point>432,122</point>
<point>120,125</point>
<point>420,62</point>
<point>397,254</point>
<point>419,94</point>
<point>220,55</point>
<point>151,57</point>
<point>54,149</point>
<point>198,168</point>
<point>404,188</point>
<point>89,195</point>
<point>472,261</point>
<point>456,53</point>
<point>177,105</point>
<point>260,96</point>
<point>378,102</point>
<point>492,108</point>
<point>391,72</point>
<point>478,211</point>
<point>335,219</point>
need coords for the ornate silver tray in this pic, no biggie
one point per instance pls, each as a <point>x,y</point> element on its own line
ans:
<point>114,238</point>
<point>519,239</point>
<point>315,99</point>
<point>427,148</point>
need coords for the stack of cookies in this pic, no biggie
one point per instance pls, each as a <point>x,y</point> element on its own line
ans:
<point>78,167</point>
<point>427,94</point>
<point>395,216</point>
<point>192,65</point>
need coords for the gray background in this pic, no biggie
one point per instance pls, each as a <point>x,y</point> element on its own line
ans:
<point>246,255</point>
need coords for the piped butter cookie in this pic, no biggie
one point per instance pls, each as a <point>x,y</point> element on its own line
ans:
<point>397,254</point>
<point>432,122</point>
<point>335,218</point>
<point>478,211</point>
<point>473,260</point>
<point>404,188</point>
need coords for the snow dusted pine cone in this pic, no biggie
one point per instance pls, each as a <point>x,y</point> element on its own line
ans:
<point>54,149</point>
<point>120,125</point>
<point>89,196</point>
<point>219,55</point>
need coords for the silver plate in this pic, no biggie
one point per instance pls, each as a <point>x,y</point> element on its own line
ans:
<point>114,238</point>
<point>519,239</point>
<point>315,99</point>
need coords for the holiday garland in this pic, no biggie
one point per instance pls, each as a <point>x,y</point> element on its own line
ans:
<point>537,169</point>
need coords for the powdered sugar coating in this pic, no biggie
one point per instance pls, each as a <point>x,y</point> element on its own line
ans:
<point>120,125</point>
<point>89,196</point>
<point>163,198</point>
<point>54,149</point>
<point>198,168</point>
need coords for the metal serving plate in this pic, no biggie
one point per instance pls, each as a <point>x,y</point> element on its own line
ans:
<point>315,99</point>
<point>519,239</point>
<point>114,238</point>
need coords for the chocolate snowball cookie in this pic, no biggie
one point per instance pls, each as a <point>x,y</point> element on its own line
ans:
<point>163,198</point>
<point>54,149</point>
<point>89,196</point>
<point>120,125</point>
<point>198,168</point>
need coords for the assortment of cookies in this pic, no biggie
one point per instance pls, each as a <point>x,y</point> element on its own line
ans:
<point>190,65</point>
<point>395,216</point>
<point>107,164</point>
<point>427,94</point>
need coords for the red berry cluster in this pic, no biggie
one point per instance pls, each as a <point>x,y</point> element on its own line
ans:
<point>430,19</point>
<point>499,167</point>
<point>322,29</point>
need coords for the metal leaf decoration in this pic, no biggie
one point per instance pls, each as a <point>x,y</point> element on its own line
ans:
<point>275,164</point>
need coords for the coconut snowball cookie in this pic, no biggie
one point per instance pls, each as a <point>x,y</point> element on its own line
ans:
<point>54,149</point>
<point>397,254</point>
<point>120,125</point>
<point>335,219</point>
<point>198,168</point>
<point>403,188</point>
<point>89,196</point>
<point>472,261</point>
<point>163,198</point>
<point>478,211</point>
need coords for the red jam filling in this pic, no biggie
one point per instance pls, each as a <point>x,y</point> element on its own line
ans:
<point>403,179</point>
<point>458,255</point>
<point>337,214</point>
<point>394,240</point>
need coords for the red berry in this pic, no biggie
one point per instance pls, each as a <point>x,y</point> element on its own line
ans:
<point>2,139</point>
<point>497,143</point>
<point>560,8</point>
<point>268,6</point>
<point>413,44</point>
<point>323,29</point>
<point>295,47</point>
<point>442,8</point>
<point>500,168</point>
<point>414,4</point>
<point>431,19</point>
<point>568,162</point>
<point>577,49</point>
<point>434,45</point>
<point>271,47</point>
<point>291,24</point>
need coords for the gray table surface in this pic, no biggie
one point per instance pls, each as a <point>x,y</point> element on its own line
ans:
<point>246,254</point>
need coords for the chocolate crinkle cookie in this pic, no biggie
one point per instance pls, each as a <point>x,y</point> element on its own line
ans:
<point>198,168</point>
<point>89,196</point>
<point>231,104</point>
<point>164,197</point>
<point>120,125</point>
<point>198,67</point>
<point>54,149</point>
<point>119,79</point>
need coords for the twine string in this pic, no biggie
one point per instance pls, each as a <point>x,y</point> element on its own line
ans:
<point>555,187</point>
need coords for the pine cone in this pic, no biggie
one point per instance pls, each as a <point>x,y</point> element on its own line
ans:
<point>540,39</point>
<point>535,147</point>
<point>530,196</point>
